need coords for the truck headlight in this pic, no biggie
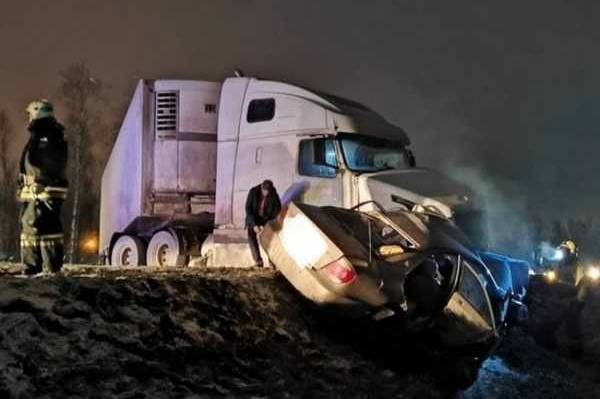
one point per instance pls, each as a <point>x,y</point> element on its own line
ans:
<point>593,273</point>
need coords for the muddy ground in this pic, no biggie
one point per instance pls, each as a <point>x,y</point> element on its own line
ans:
<point>194,333</point>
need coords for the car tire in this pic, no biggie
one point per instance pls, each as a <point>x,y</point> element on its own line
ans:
<point>128,251</point>
<point>165,249</point>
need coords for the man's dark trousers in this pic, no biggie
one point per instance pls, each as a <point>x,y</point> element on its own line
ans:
<point>42,240</point>
<point>254,248</point>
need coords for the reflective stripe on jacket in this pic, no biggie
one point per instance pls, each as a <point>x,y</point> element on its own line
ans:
<point>34,192</point>
<point>29,240</point>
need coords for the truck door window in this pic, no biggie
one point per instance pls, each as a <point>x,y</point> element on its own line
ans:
<point>317,157</point>
<point>261,110</point>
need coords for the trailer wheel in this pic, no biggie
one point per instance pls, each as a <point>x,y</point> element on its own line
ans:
<point>128,251</point>
<point>165,249</point>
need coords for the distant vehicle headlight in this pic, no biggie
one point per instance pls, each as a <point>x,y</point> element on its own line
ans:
<point>593,273</point>
<point>558,255</point>
<point>551,276</point>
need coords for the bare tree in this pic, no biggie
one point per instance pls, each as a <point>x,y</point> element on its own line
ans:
<point>8,205</point>
<point>80,92</point>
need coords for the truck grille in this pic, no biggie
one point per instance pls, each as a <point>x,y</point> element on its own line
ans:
<point>166,111</point>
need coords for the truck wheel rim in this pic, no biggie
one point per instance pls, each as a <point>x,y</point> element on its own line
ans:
<point>163,249</point>
<point>163,255</point>
<point>126,257</point>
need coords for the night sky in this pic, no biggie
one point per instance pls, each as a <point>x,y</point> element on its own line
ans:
<point>506,90</point>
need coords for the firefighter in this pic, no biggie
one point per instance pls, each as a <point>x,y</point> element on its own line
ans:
<point>262,205</point>
<point>570,271</point>
<point>42,191</point>
<point>568,262</point>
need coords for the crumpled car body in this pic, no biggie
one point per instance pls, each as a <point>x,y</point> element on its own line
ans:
<point>414,266</point>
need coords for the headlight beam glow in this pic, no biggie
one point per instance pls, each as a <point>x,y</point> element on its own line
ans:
<point>593,273</point>
<point>551,275</point>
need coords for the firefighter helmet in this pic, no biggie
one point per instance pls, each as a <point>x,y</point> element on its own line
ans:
<point>570,246</point>
<point>39,109</point>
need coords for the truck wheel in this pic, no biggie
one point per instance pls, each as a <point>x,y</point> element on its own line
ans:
<point>128,251</point>
<point>165,249</point>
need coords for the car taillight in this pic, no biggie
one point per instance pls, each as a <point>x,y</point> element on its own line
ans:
<point>340,271</point>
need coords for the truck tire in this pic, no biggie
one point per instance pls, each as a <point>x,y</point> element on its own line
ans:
<point>165,249</point>
<point>128,251</point>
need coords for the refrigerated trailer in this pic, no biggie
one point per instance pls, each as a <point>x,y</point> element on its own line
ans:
<point>188,152</point>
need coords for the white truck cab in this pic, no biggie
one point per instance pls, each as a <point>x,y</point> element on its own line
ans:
<point>175,186</point>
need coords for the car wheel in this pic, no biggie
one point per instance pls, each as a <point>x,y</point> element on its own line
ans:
<point>128,251</point>
<point>165,249</point>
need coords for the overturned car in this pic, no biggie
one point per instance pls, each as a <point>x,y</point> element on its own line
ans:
<point>414,266</point>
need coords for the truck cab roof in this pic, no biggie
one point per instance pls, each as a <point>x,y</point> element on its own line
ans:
<point>303,109</point>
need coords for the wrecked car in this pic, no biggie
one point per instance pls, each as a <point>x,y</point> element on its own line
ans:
<point>415,267</point>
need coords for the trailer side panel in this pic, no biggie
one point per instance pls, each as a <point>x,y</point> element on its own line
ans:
<point>122,195</point>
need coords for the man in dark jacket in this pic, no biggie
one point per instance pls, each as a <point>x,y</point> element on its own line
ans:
<point>262,205</point>
<point>42,191</point>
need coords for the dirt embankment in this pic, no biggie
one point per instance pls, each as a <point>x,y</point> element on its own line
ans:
<point>526,366</point>
<point>222,333</point>
<point>205,333</point>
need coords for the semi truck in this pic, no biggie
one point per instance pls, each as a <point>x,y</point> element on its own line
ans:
<point>188,152</point>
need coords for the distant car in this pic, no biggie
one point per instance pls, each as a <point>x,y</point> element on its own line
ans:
<point>415,266</point>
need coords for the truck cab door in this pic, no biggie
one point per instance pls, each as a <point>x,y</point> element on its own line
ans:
<point>319,173</point>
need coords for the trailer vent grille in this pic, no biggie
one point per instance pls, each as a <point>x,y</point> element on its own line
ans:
<point>167,104</point>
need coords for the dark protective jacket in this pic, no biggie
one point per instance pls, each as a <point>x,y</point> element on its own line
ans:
<point>44,159</point>
<point>567,267</point>
<point>271,208</point>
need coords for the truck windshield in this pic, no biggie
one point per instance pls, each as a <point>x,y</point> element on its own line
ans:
<point>369,154</point>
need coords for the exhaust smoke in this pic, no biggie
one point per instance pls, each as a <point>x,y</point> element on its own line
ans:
<point>505,223</point>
